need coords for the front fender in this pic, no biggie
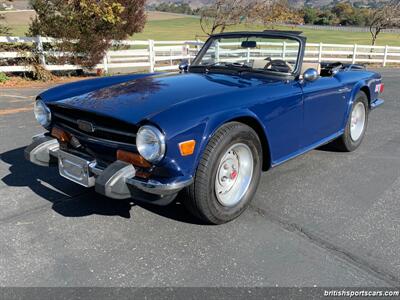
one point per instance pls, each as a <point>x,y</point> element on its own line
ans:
<point>201,129</point>
<point>220,119</point>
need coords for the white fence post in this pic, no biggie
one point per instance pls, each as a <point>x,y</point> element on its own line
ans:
<point>284,50</point>
<point>385,55</point>
<point>152,56</point>
<point>187,52</point>
<point>105,62</point>
<point>217,51</point>
<point>354,54</point>
<point>198,45</point>
<point>320,53</point>
<point>39,48</point>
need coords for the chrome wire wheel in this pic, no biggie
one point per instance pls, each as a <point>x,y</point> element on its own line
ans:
<point>358,119</point>
<point>234,175</point>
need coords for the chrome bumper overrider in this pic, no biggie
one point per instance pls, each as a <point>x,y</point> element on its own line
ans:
<point>116,181</point>
<point>377,103</point>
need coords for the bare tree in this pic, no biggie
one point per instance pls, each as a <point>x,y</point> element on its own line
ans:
<point>224,13</point>
<point>388,16</point>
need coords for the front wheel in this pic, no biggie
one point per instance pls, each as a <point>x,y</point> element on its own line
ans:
<point>227,176</point>
<point>356,125</point>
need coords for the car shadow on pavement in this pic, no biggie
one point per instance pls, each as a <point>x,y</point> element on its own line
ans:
<point>71,200</point>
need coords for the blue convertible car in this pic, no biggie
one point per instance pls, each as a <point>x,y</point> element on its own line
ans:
<point>247,102</point>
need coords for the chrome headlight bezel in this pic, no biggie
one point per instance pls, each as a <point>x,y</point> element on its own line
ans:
<point>150,142</point>
<point>42,113</point>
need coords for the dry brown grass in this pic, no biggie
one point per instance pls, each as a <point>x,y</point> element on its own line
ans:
<point>18,17</point>
<point>156,16</point>
<point>20,82</point>
<point>24,17</point>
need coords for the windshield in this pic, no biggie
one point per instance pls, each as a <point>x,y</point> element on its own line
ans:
<point>250,53</point>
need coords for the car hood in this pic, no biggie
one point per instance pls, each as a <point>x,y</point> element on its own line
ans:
<point>135,100</point>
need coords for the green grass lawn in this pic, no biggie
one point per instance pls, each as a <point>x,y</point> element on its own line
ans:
<point>18,30</point>
<point>189,29</point>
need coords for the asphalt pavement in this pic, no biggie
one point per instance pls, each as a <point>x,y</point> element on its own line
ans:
<point>323,219</point>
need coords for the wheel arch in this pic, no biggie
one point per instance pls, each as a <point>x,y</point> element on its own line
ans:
<point>361,86</point>
<point>253,122</point>
<point>367,92</point>
<point>256,126</point>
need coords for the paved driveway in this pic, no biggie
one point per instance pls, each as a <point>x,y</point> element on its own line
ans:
<point>325,219</point>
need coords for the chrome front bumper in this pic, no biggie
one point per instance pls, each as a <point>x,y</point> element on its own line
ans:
<point>117,181</point>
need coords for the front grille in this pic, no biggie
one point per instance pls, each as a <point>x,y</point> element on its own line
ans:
<point>105,128</point>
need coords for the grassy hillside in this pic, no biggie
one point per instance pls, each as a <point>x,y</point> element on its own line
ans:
<point>163,26</point>
<point>188,28</point>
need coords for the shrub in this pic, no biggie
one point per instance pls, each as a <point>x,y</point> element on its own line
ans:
<point>3,77</point>
<point>87,27</point>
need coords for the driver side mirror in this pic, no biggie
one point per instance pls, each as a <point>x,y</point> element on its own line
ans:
<point>311,74</point>
<point>184,66</point>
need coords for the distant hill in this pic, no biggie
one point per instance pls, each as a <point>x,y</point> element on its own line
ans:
<point>24,4</point>
<point>296,3</point>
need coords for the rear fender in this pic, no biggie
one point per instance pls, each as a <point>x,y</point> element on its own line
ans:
<point>368,87</point>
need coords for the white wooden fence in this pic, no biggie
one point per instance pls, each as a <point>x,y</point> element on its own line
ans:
<point>314,52</point>
<point>165,55</point>
<point>152,55</point>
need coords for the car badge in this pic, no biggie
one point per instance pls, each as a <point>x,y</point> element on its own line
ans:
<point>85,126</point>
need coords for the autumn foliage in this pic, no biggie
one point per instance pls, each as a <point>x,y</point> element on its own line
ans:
<point>276,12</point>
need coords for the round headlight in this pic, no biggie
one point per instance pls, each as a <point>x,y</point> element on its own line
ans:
<point>150,143</point>
<point>42,113</point>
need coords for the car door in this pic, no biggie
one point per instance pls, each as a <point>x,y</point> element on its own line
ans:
<point>282,115</point>
<point>324,101</point>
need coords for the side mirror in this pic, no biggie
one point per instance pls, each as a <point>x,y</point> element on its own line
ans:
<point>184,66</point>
<point>310,74</point>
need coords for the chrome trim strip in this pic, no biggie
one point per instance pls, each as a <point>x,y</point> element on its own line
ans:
<point>38,136</point>
<point>344,90</point>
<point>158,188</point>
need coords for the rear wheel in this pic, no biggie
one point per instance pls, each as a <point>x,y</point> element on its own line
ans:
<point>227,176</point>
<point>356,125</point>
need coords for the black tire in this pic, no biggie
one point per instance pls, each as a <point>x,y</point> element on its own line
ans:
<point>200,198</point>
<point>346,143</point>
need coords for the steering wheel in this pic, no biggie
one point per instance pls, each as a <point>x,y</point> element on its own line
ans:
<point>335,67</point>
<point>278,65</point>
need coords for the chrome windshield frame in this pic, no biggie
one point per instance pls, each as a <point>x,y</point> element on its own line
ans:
<point>267,34</point>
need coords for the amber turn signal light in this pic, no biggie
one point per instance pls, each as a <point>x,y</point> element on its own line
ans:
<point>60,135</point>
<point>133,158</point>
<point>187,148</point>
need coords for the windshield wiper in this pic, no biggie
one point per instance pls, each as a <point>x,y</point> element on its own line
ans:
<point>228,65</point>
<point>236,67</point>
